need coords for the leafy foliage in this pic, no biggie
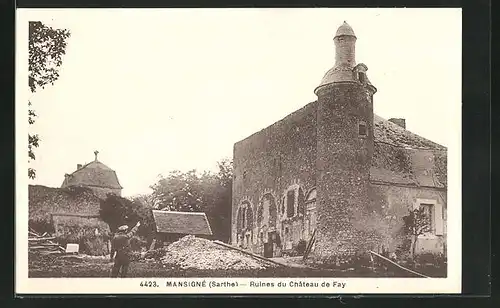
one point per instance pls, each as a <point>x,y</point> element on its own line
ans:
<point>117,211</point>
<point>416,223</point>
<point>190,192</point>
<point>46,49</point>
<point>90,242</point>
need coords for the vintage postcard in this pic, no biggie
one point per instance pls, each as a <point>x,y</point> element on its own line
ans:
<point>238,151</point>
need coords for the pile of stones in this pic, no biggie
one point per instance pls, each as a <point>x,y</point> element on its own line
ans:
<point>191,252</point>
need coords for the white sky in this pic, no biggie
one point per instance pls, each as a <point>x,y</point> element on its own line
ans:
<point>158,90</point>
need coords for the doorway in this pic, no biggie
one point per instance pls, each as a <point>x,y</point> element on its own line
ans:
<point>268,247</point>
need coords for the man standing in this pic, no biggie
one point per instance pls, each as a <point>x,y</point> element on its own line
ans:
<point>121,246</point>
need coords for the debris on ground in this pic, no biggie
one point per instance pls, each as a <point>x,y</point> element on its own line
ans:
<point>155,254</point>
<point>191,252</point>
<point>43,244</point>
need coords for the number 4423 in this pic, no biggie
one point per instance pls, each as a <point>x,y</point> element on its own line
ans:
<point>150,284</point>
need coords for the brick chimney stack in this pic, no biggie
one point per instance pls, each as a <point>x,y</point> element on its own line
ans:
<point>78,166</point>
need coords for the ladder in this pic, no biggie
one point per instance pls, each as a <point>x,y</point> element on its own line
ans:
<point>310,244</point>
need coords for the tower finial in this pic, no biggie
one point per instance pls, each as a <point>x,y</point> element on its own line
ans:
<point>345,29</point>
<point>95,153</point>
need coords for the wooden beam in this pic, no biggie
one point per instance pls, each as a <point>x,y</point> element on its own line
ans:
<point>394,263</point>
<point>38,239</point>
<point>153,243</point>
<point>248,253</point>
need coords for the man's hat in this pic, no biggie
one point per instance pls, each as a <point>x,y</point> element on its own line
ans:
<point>123,228</point>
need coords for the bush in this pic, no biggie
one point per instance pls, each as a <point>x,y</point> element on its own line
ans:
<point>84,235</point>
<point>437,259</point>
<point>117,211</point>
<point>41,226</point>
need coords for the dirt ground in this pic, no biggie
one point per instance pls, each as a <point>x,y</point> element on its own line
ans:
<point>83,266</point>
<point>195,257</point>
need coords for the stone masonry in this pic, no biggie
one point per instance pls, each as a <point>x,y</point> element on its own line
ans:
<point>335,167</point>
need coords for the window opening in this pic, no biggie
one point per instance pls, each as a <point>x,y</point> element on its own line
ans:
<point>362,131</point>
<point>290,203</point>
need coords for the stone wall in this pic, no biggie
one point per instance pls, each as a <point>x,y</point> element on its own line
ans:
<point>71,214</point>
<point>391,203</point>
<point>267,164</point>
<point>101,192</point>
<point>43,201</point>
<point>364,187</point>
<point>343,164</point>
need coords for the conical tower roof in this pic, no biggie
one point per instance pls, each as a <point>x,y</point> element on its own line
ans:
<point>345,29</point>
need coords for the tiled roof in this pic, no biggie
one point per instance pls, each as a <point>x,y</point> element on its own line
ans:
<point>388,132</point>
<point>93,174</point>
<point>193,223</point>
<point>402,157</point>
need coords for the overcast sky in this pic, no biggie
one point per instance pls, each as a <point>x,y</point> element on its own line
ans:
<point>158,90</point>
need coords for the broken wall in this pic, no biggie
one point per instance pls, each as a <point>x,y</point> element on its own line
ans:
<point>267,165</point>
<point>43,201</point>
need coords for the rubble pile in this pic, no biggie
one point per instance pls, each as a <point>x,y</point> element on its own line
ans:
<point>191,252</point>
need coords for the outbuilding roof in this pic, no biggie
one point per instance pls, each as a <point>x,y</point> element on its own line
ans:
<point>193,223</point>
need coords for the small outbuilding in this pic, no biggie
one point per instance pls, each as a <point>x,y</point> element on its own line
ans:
<point>171,226</point>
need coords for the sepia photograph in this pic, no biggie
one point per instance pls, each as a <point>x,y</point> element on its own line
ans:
<point>238,150</point>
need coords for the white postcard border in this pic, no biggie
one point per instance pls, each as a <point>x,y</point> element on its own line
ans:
<point>25,285</point>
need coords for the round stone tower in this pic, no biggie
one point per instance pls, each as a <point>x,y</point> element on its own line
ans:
<point>344,152</point>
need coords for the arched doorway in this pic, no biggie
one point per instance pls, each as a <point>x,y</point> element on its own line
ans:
<point>245,225</point>
<point>267,214</point>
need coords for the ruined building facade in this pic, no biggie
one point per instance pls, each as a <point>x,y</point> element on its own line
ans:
<point>335,167</point>
<point>96,176</point>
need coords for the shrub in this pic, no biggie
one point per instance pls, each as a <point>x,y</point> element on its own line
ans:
<point>91,234</point>
<point>117,211</point>
<point>41,226</point>
<point>437,259</point>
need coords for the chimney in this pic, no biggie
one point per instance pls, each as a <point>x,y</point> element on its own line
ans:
<point>78,166</point>
<point>399,121</point>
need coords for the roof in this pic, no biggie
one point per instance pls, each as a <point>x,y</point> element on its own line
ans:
<point>391,133</point>
<point>94,174</point>
<point>384,131</point>
<point>400,156</point>
<point>343,71</point>
<point>345,29</point>
<point>193,223</point>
